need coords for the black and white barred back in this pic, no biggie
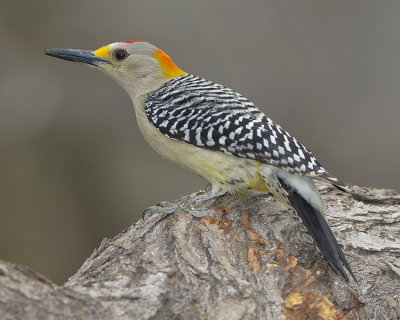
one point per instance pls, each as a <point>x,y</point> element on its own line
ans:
<point>208,115</point>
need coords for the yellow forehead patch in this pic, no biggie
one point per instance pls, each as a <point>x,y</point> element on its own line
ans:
<point>102,52</point>
<point>168,66</point>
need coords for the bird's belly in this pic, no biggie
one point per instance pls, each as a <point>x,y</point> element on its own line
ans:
<point>227,173</point>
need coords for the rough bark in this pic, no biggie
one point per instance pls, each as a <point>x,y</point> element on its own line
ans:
<point>257,263</point>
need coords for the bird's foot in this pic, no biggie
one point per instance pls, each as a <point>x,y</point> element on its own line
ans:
<point>200,211</point>
<point>196,207</point>
<point>193,206</point>
<point>164,206</point>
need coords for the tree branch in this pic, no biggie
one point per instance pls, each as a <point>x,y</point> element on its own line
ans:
<point>257,263</point>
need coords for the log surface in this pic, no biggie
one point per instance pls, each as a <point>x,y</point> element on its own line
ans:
<point>257,263</point>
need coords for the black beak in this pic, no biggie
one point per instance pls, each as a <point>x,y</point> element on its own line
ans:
<point>76,55</point>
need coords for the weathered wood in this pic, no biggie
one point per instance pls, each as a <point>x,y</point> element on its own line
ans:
<point>257,263</point>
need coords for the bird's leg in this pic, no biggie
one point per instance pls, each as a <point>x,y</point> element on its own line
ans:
<point>196,208</point>
<point>193,206</point>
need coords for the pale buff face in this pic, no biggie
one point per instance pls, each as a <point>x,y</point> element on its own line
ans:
<point>139,67</point>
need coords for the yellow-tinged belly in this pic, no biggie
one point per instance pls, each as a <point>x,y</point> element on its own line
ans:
<point>225,172</point>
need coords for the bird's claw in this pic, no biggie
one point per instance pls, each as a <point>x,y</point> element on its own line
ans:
<point>163,206</point>
<point>200,212</point>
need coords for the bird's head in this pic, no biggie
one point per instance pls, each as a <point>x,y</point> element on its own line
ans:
<point>138,66</point>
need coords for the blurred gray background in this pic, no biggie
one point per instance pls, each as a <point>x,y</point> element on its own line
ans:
<point>73,165</point>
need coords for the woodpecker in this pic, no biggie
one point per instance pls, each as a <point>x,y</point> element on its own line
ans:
<point>217,133</point>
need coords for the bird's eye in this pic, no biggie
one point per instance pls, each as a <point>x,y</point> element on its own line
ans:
<point>120,54</point>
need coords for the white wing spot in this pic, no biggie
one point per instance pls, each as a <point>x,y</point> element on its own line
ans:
<point>186,138</point>
<point>198,139</point>
<point>250,125</point>
<point>287,146</point>
<point>239,130</point>
<point>209,134</point>
<point>164,123</point>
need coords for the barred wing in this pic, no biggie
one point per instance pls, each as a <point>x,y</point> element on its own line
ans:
<point>208,115</point>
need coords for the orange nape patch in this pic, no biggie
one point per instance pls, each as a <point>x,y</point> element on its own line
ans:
<point>168,66</point>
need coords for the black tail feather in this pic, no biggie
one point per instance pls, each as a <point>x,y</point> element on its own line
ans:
<point>320,231</point>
